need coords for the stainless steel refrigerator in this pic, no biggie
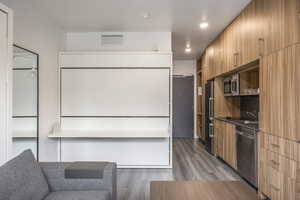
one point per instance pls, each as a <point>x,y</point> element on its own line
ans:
<point>209,116</point>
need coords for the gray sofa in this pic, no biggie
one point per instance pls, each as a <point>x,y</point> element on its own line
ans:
<point>23,178</point>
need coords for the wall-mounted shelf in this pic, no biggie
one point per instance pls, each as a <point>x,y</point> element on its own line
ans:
<point>151,134</point>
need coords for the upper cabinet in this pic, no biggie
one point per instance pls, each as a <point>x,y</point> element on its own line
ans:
<point>263,27</point>
<point>291,22</point>
<point>249,35</point>
<point>282,23</point>
<point>229,49</point>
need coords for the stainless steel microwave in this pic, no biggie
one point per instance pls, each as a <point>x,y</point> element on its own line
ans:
<point>232,84</point>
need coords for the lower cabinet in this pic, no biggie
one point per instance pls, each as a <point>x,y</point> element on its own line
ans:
<point>279,175</point>
<point>225,142</point>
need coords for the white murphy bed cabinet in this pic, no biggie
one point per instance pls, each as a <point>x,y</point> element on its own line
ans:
<point>116,106</point>
<point>6,24</point>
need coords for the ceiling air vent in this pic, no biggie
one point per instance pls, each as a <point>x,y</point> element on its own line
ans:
<point>112,39</point>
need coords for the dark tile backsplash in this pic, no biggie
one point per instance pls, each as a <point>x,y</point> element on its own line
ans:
<point>249,104</point>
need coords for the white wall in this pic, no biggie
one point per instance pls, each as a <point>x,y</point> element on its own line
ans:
<point>188,68</point>
<point>34,31</point>
<point>133,41</point>
<point>184,67</point>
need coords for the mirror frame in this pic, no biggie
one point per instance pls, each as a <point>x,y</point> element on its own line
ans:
<point>38,97</point>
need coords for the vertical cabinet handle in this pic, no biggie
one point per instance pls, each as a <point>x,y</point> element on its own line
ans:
<point>260,46</point>
<point>236,59</point>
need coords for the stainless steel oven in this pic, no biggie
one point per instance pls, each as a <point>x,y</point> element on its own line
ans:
<point>247,154</point>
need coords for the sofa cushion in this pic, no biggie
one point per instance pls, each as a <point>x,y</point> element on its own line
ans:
<point>22,179</point>
<point>79,195</point>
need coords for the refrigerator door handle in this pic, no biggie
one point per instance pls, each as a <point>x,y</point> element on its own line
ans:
<point>210,107</point>
<point>211,130</point>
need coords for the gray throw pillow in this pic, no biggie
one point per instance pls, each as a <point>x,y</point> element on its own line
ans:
<point>22,179</point>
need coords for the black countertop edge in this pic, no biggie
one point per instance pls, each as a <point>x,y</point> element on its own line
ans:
<point>235,122</point>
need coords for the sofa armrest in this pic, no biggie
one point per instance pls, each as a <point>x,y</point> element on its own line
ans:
<point>55,175</point>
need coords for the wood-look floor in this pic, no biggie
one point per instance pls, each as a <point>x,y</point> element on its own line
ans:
<point>190,162</point>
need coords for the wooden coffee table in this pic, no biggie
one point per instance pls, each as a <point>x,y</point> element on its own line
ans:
<point>201,190</point>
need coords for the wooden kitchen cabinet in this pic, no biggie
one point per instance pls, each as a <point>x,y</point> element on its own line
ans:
<point>280,146</point>
<point>210,53</point>
<point>218,56</point>
<point>272,94</point>
<point>291,27</point>
<point>280,93</point>
<point>229,139</point>
<point>278,176</point>
<point>219,143</point>
<point>225,142</point>
<point>273,36</point>
<point>205,67</point>
<point>249,34</point>
<point>282,23</point>
<point>229,49</point>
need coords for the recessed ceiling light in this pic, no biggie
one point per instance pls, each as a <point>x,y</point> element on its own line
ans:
<point>188,50</point>
<point>188,47</point>
<point>203,25</point>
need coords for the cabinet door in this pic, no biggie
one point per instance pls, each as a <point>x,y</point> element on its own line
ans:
<point>229,139</point>
<point>218,56</point>
<point>291,92</point>
<point>261,26</point>
<point>280,93</point>
<point>229,49</point>
<point>282,23</point>
<point>274,14</point>
<point>291,26</point>
<point>272,94</point>
<point>237,39</point>
<point>219,142</point>
<point>249,34</point>
<point>204,68</point>
<point>211,61</point>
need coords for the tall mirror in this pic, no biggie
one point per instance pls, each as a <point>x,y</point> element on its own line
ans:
<point>25,100</point>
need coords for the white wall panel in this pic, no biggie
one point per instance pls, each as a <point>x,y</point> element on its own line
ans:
<point>22,144</point>
<point>133,41</point>
<point>24,93</point>
<point>132,152</point>
<point>24,127</point>
<point>110,92</point>
<point>115,60</point>
<point>23,60</point>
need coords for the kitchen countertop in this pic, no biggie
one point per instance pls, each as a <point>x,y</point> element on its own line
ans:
<point>239,122</point>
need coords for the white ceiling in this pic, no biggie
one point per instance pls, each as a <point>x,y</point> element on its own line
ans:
<point>182,17</point>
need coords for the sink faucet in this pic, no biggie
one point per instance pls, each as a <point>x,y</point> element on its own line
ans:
<point>252,115</point>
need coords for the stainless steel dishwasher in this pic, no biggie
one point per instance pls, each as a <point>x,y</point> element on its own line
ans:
<point>247,154</point>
